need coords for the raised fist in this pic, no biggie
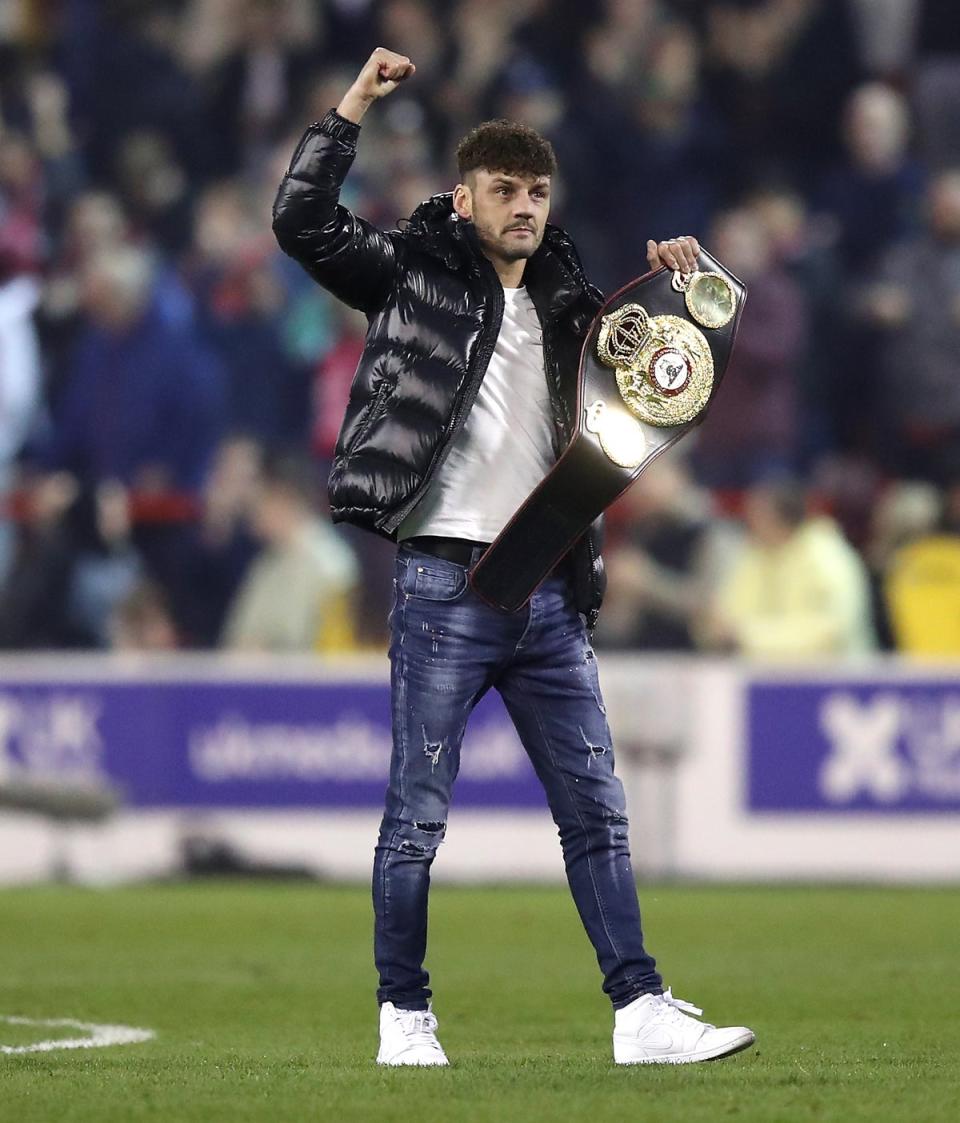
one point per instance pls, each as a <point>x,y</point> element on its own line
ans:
<point>382,72</point>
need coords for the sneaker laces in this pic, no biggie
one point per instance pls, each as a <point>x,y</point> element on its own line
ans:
<point>675,1010</point>
<point>419,1027</point>
<point>679,1004</point>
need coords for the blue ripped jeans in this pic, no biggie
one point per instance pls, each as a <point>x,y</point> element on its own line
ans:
<point>447,649</point>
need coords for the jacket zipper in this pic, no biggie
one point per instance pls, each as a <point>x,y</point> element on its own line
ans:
<point>561,427</point>
<point>484,349</point>
<point>384,390</point>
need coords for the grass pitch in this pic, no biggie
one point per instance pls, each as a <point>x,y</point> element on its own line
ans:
<point>261,996</point>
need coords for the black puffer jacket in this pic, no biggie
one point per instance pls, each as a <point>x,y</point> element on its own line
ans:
<point>434,306</point>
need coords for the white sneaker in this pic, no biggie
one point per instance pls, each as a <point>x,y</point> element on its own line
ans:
<point>655,1029</point>
<point>408,1037</point>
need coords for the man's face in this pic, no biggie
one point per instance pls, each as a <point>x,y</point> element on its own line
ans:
<point>509,211</point>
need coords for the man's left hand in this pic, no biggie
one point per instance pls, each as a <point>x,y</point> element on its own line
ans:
<point>677,253</point>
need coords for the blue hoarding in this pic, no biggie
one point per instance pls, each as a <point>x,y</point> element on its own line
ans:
<point>241,744</point>
<point>853,747</point>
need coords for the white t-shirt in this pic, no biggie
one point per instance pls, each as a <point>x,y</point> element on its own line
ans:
<point>505,446</point>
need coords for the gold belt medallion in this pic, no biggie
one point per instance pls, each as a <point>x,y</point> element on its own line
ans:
<point>709,297</point>
<point>663,364</point>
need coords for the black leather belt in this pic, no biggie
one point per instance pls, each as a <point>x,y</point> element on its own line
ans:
<point>457,550</point>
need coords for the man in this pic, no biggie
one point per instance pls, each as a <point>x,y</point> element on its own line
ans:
<point>464,396</point>
<point>919,342</point>
<point>296,595</point>
<point>796,590</point>
<point>143,396</point>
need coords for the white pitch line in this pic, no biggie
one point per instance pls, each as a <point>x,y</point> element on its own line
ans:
<point>99,1035</point>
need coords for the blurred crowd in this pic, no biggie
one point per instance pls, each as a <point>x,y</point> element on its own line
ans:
<point>171,386</point>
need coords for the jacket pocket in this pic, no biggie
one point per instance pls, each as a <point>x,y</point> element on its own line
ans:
<point>375,410</point>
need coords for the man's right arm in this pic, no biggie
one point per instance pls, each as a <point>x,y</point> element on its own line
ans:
<point>344,253</point>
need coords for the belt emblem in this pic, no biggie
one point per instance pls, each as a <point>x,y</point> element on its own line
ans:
<point>663,364</point>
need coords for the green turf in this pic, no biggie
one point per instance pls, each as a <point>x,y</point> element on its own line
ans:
<point>260,995</point>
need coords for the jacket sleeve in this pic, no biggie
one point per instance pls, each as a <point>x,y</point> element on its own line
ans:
<point>347,255</point>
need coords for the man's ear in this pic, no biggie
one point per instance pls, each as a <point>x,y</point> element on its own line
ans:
<point>463,201</point>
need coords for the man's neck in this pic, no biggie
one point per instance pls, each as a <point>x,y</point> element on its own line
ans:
<point>509,272</point>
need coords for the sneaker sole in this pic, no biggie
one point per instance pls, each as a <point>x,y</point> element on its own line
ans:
<point>399,1062</point>
<point>737,1046</point>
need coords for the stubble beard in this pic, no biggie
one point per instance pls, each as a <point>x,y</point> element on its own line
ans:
<point>500,245</point>
<point>520,253</point>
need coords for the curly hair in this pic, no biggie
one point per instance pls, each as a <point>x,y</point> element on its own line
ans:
<point>506,146</point>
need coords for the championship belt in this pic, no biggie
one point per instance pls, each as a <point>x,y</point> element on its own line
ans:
<point>650,366</point>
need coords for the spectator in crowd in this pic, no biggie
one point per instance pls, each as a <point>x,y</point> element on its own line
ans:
<point>874,193</point>
<point>125,74</point>
<point>752,433</point>
<point>662,573</point>
<point>209,559</point>
<point>936,81</point>
<point>918,578</point>
<point>803,246</point>
<point>143,400</point>
<point>142,621</point>
<point>95,224</point>
<point>19,385</point>
<point>951,502</point>
<point>21,205</point>
<point>297,594</point>
<point>412,25</point>
<point>20,291</point>
<point>886,30</point>
<point>155,190</point>
<point>872,199</point>
<point>906,512</point>
<point>642,106</point>
<point>35,596</point>
<point>106,564</point>
<point>778,72</point>
<point>922,593</point>
<point>915,304</point>
<point>256,88</point>
<point>797,589</point>
<point>235,276</point>
<point>35,103</point>
<point>75,560</point>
